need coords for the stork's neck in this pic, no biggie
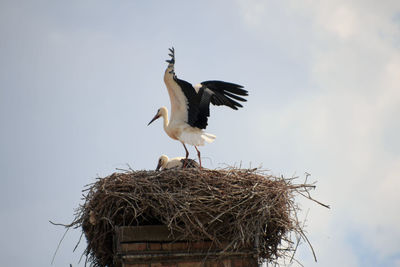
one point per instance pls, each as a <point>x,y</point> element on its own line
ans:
<point>165,119</point>
<point>171,130</point>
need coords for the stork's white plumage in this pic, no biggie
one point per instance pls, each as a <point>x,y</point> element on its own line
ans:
<point>165,163</point>
<point>190,106</point>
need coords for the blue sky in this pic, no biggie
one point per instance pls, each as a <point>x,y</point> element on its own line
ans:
<point>79,81</point>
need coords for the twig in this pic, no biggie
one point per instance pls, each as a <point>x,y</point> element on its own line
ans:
<point>59,243</point>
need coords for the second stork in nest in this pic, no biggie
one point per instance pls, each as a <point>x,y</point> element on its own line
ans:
<point>190,106</point>
<point>165,163</point>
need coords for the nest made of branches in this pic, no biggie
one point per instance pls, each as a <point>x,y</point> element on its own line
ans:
<point>243,206</point>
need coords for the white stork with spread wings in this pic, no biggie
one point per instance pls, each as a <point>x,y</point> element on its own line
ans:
<point>190,106</point>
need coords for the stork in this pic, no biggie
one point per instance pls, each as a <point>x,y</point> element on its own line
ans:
<point>165,163</point>
<point>190,106</point>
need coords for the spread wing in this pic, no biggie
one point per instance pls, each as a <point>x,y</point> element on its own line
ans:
<point>224,93</point>
<point>217,93</point>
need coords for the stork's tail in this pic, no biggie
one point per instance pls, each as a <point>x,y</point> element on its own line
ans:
<point>209,138</point>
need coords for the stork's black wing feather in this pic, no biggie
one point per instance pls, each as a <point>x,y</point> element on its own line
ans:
<point>226,86</point>
<point>204,108</point>
<point>235,97</point>
<point>225,92</point>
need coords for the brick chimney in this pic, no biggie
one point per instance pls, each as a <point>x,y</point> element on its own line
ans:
<point>155,246</point>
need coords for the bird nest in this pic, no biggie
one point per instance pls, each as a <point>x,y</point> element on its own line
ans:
<point>245,207</point>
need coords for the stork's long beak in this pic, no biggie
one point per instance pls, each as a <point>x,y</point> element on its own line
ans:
<point>158,166</point>
<point>155,117</point>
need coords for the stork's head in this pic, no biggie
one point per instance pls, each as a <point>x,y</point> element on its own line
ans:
<point>161,112</point>
<point>162,162</point>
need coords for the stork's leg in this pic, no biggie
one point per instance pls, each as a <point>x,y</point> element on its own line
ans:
<point>198,154</point>
<point>187,155</point>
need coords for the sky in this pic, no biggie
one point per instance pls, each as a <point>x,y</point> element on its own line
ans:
<point>80,80</point>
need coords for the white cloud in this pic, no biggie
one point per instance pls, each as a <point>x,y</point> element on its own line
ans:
<point>343,21</point>
<point>253,11</point>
